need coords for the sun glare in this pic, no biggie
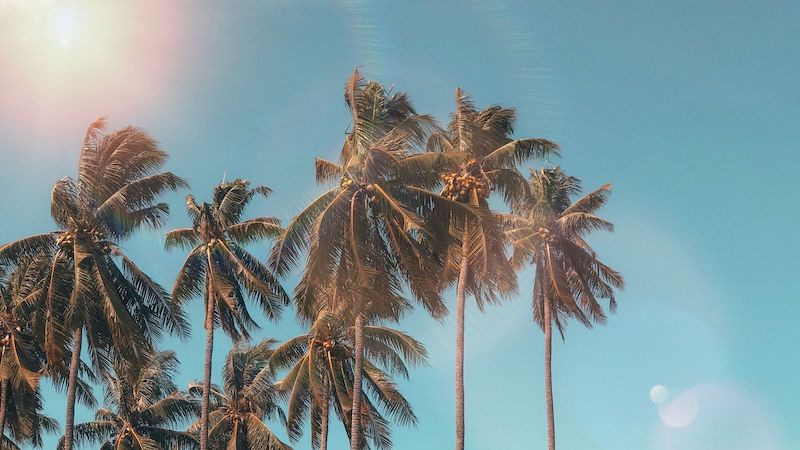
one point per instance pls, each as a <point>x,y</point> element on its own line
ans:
<point>64,23</point>
<point>59,56</point>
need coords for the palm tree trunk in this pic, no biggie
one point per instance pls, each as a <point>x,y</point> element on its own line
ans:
<point>323,432</point>
<point>355,424</point>
<point>4,387</point>
<point>460,308</point>
<point>72,385</point>
<point>204,407</point>
<point>548,381</point>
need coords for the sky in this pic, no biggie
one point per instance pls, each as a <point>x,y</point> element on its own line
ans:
<point>688,107</point>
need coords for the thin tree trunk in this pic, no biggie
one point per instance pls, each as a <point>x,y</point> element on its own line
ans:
<point>323,432</point>
<point>548,381</point>
<point>204,407</point>
<point>72,385</point>
<point>3,405</point>
<point>355,425</point>
<point>460,308</point>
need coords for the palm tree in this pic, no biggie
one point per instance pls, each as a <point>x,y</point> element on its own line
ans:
<point>246,399</point>
<point>365,236</point>
<point>143,405</point>
<point>25,422</point>
<point>548,230</point>
<point>22,362</point>
<point>91,284</point>
<point>24,299</point>
<point>220,269</point>
<point>321,366</point>
<point>476,156</point>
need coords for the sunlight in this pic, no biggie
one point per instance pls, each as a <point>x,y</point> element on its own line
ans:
<point>64,23</point>
<point>57,55</point>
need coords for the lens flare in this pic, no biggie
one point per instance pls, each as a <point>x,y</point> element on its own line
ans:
<point>681,411</point>
<point>717,415</point>
<point>659,394</point>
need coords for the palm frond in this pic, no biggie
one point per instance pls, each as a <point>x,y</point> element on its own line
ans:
<point>254,230</point>
<point>519,151</point>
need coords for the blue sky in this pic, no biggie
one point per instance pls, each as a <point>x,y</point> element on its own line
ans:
<point>689,108</point>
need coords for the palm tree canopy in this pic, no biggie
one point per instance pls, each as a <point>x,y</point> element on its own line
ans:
<point>549,230</point>
<point>25,422</point>
<point>219,260</point>
<point>246,399</point>
<point>142,408</point>
<point>89,280</point>
<point>367,232</point>
<point>22,361</point>
<point>324,359</point>
<point>474,157</point>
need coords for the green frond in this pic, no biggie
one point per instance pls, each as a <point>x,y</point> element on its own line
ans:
<point>592,201</point>
<point>14,252</point>
<point>254,230</point>
<point>184,238</point>
<point>411,349</point>
<point>288,248</point>
<point>328,172</point>
<point>191,276</point>
<point>165,309</point>
<point>519,151</point>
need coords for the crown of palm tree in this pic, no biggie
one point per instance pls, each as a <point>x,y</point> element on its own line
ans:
<point>480,141</point>
<point>114,195</point>
<point>218,258</point>
<point>142,406</point>
<point>320,366</point>
<point>474,157</point>
<point>246,399</point>
<point>367,232</point>
<point>549,230</point>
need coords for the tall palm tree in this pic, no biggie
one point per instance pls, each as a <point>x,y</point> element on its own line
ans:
<point>549,230</point>
<point>366,236</point>
<point>92,285</point>
<point>143,405</point>
<point>476,156</point>
<point>321,366</point>
<point>220,269</point>
<point>246,399</point>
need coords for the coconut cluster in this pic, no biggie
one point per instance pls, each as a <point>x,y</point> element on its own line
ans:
<point>546,235</point>
<point>459,185</point>
<point>326,344</point>
<point>68,238</point>
<point>7,338</point>
<point>235,415</point>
